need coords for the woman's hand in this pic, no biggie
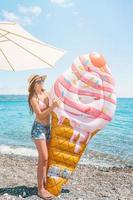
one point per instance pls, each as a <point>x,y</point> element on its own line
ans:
<point>55,103</point>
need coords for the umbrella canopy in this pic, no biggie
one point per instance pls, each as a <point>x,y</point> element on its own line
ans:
<point>19,50</point>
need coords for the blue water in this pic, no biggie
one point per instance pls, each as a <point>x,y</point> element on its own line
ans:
<point>113,144</point>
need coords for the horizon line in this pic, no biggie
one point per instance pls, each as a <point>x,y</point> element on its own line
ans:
<point>27,95</point>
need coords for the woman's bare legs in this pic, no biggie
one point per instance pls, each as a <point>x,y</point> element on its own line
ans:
<point>48,143</point>
<point>41,146</point>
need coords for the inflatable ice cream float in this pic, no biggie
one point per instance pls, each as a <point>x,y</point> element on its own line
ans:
<point>88,103</point>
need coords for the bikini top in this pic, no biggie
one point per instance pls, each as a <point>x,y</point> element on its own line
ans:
<point>41,104</point>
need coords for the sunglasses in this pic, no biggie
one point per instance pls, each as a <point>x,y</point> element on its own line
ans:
<point>39,81</point>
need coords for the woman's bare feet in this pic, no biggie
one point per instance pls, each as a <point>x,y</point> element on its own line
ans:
<point>43,193</point>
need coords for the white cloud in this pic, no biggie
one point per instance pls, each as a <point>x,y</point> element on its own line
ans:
<point>26,21</point>
<point>10,16</point>
<point>25,14</point>
<point>48,15</point>
<point>63,3</point>
<point>34,10</point>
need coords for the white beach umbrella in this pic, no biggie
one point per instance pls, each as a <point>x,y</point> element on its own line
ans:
<point>19,50</point>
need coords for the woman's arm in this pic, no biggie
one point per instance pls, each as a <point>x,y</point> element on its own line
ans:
<point>40,114</point>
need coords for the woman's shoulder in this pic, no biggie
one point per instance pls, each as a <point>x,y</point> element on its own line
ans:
<point>33,99</point>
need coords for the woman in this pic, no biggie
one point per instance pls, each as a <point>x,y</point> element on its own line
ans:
<point>39,104</point>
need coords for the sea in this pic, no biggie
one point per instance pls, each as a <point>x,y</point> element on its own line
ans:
<point>112,146</point>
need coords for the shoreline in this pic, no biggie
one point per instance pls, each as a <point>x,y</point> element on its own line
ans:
<point>81,162</point>
<point>92,157</point>
<point>18,179</point>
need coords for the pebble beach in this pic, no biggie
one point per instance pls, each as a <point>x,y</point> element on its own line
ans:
<point>89,182</point>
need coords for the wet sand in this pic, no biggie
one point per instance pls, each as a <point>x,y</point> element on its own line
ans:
<point>18,181</point>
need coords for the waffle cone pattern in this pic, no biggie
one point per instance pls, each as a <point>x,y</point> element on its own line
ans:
<point>88,103</point>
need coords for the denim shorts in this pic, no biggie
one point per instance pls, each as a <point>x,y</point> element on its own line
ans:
<point>40,131</point>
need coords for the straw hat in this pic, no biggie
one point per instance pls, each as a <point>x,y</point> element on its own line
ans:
<point>34,77</point>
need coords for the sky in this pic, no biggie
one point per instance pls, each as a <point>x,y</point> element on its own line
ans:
<point>79,27</point>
